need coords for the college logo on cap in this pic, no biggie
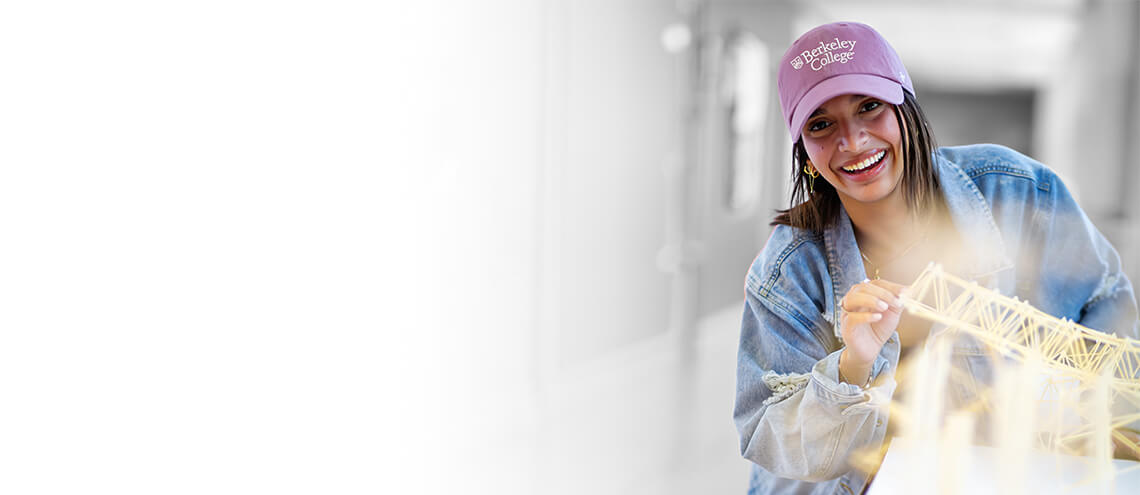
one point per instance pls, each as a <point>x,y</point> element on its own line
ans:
<point>826,53</point>
<point>830,51</point>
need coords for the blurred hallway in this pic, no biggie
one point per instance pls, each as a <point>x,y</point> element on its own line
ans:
<point>612,170</point>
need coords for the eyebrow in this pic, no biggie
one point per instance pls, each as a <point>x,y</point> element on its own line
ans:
<point>820,109</point>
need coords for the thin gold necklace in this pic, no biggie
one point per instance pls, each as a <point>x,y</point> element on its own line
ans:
<point>877,266</point>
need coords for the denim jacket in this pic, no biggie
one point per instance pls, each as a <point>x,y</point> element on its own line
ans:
<point>1024,235</point>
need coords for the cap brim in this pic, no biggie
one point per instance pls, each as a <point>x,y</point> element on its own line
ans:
<point>844,84</point>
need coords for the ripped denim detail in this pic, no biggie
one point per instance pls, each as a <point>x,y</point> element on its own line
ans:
<point>1108,288</point>
<point>783,386</point>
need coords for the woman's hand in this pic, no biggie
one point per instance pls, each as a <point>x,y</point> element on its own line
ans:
<point>871,312</point>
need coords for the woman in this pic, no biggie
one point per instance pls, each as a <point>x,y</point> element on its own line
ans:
<point>874,202</point>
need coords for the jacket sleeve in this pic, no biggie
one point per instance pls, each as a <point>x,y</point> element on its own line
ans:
<point>1080,275</point>
<point>795,418</point>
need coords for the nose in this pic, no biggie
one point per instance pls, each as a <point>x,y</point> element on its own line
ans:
<point>852,135</point>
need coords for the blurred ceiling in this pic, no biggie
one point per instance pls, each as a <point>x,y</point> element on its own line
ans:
<point>992,44</point>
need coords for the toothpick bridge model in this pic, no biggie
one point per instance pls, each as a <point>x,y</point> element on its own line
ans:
<point>1082,358</point>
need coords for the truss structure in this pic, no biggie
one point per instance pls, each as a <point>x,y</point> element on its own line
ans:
<point>1094,376</point>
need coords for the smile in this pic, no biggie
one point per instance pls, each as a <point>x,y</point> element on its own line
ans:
<point>865,163</point>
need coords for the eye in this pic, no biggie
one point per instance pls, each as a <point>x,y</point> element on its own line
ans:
<point>870,105</point>
<point>818,125</point>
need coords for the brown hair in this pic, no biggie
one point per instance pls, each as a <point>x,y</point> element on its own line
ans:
<point>919,181</point>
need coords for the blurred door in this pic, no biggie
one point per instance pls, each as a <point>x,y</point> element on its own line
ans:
<point>742,150</point>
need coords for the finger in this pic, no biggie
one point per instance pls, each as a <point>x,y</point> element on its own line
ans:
<point>873,289</point>
<point>862,301</point>
<point>859,318</point>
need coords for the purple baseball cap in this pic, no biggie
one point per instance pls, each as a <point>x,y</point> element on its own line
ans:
<point>837,59</point>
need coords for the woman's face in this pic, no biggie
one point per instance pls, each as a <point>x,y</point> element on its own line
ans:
<point>854,142</point>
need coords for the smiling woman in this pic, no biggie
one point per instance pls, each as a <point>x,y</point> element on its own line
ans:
<point>853,142</point>
<point>872,195</point>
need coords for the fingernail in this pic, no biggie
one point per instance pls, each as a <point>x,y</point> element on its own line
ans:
<point>881,305</point>
<point>876,317</point>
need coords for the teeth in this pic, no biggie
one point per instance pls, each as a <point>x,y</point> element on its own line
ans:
<point>866,162</point>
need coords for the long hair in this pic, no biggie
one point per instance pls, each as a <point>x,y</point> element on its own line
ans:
<point>919,179</point>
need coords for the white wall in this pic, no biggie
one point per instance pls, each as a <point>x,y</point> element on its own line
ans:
<point>466,142</point>
<point>260,247</point>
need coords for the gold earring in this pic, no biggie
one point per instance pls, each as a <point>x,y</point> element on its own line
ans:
<point>812,173</point>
